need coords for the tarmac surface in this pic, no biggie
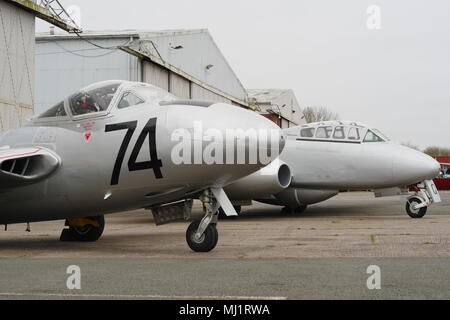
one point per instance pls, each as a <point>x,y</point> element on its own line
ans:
<point>323,253</point>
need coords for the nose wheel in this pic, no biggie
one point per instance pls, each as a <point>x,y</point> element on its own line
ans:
<point>413,210</point>
<point>202,236</point>
<point>202,243</point>
<point>425,195</point>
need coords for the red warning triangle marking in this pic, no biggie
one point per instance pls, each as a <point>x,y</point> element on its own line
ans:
<point>87,136</point>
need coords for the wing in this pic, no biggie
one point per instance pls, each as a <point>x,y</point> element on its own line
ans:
<point>24,166</point>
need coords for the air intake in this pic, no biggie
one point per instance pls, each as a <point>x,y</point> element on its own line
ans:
<point>25,167</point>
<point>22,166</point>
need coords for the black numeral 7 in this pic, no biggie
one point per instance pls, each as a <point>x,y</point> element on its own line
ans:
<point>154,163</point>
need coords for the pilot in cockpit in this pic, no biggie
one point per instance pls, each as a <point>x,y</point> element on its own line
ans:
<point>86,104</point>
<point>92,101</point>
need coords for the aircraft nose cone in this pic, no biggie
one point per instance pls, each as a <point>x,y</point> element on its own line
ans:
<point>260,139</point>
<point>411,166</point>
<point>434,168</point>
<point>427,167</point>
<point>231,141</point>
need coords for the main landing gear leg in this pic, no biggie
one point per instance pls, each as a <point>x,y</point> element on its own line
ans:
<point>83,229</point>
<point>202,236</point>
<point>425,194</point>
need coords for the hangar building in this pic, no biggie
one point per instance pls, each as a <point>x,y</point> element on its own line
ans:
<point>280,106</point>
<point>17,56</point>
<point>187,63</point>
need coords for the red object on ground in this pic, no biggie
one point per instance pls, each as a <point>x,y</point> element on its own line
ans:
<point>443,184</point>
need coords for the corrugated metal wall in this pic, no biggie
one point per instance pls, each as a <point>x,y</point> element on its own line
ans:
<point>183,88</point>
<point>16,66</point>
<point>198,50</point>
<point>199,93</point>
<point>155,75</point>
<point>180,86</point>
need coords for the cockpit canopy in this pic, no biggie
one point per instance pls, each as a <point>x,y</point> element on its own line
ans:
<point>100,98</point>
<point>338,131</point>
<point>93,99</point>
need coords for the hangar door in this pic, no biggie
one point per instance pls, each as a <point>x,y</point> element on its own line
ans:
<point>155,75</point>
<point>165,79</point>
<point>200,93</point>
<point>179,86</point>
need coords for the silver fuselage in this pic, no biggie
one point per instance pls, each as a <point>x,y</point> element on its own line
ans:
<point>83,185</point>
<point>355,166</point>
<point>328,157</point>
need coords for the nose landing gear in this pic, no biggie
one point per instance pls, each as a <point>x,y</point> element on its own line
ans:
<point>413,207</point>
<point>425,195</point>
<point>205,242</point>
<point>223,215</point>
<point>202,236</point>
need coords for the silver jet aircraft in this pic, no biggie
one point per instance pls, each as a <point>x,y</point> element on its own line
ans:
<point>110,147</point>
<point>321,159</point>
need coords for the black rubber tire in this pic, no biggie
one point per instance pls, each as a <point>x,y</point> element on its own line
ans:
<point>88,233</point>
<point>217,236</point>
<point>412,213</point>
<point>208,241</point>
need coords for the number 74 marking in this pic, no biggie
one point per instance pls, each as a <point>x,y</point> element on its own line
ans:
<point>154,163</point>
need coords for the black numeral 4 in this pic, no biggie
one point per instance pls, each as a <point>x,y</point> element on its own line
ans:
<point>154,163</point>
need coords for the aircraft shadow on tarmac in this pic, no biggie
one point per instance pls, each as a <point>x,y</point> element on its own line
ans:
<point>125,232</point>
<point>363,204</point>
<point>110,244</point>
<point>327,210</point>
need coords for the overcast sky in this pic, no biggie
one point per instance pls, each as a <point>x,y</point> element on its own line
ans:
<point>396,78</point>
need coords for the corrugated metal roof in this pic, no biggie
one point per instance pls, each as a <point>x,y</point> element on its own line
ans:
<point>99,34</point>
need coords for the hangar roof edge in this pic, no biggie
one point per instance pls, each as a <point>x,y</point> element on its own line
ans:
<point>99,34</point>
